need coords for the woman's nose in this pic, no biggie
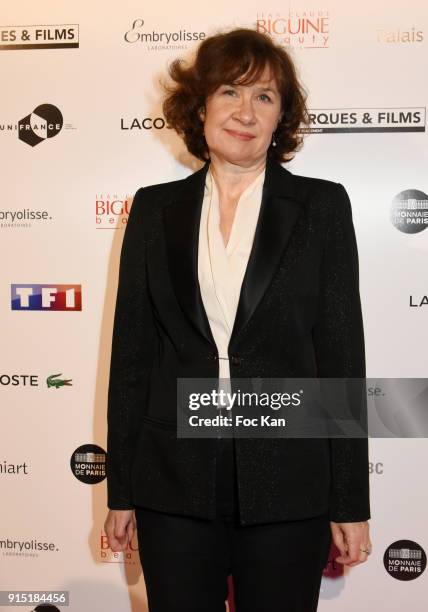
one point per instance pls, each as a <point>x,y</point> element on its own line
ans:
<point>245,110</point>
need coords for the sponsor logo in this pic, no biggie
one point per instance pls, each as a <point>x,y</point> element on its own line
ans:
<point>46,121</point>
<point>147,123</point>
<point>112,210</point>
<point>56,383</point>
<point>405,560</point>
<point>32,380</point>
<point>307,28</point>
<point>88,463</point>
<point>25,548</point>
<point>409,211</point>
<point>46,297</point>
<point>375,468</point>
<point>18,38</point>
<point>346,120</point>
<point>13,468</point>
<point>399,36</point>
<point>22,218</point>
<point>159,41</point>
<point>418,301</point>
<point>129,556</point>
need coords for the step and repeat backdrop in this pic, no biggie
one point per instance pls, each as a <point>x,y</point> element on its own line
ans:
<point>81,129</point>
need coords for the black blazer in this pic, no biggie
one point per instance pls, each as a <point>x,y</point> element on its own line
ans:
<point>299,315</point>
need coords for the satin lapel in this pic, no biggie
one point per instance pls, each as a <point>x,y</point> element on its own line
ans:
<point>279,210</point>
<point>181,223</point>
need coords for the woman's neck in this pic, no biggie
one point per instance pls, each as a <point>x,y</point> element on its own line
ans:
<point>232,179</point>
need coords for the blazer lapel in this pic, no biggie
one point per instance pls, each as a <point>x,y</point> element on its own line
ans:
<point>279,210</point>
<point>181,222</point>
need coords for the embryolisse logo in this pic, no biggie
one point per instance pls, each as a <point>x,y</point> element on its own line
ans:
<point>157,40</point>
<point>25,548</point>
<point>405,560</point>
<point>22,218</point>
<point>409,211</point>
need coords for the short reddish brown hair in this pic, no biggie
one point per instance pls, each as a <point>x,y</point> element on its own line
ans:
<point>227,58</point>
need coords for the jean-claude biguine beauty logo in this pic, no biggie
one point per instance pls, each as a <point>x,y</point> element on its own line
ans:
<point>46,297</point>
<point>297,27</point>
<point>21,37</point>
<point>112,210</point>
<point>156,40</point>
<point>129,556</point>
<point>409,211</point>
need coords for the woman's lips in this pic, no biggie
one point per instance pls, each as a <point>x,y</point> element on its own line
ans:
<point>240,135</point>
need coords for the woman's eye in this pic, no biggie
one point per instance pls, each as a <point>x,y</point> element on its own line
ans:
<point>229,91</point>
<point>266,97</point>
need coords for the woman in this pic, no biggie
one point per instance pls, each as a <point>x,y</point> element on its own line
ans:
<point>240,270</point>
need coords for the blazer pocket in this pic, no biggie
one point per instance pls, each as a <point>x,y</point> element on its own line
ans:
<point>161,423</point>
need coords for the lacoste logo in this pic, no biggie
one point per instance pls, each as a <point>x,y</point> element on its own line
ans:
<point>53,381</point>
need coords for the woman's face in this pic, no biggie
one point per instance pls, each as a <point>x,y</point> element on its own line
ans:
<point>239,120</point>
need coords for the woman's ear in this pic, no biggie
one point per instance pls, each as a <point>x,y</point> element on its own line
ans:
<point>201,113</point>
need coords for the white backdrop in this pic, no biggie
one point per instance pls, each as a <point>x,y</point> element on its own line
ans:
<point>370,58</point>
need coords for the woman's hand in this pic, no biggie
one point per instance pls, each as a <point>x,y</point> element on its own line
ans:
<point>350,538</point>
<point>120,526</point>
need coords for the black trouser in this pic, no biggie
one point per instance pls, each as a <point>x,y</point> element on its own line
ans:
<point>276,567</point>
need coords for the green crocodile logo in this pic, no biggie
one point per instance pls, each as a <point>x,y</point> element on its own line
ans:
<point>53,381</point>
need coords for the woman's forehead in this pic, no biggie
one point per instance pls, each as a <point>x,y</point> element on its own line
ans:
<point>264,77</point>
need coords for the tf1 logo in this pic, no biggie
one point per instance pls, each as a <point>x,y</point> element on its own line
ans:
<point>46,297</point>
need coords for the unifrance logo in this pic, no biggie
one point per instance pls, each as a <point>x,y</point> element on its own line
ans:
<point>44,122</point>
<point>46,297</point>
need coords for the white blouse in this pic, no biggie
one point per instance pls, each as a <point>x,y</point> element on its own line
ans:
<point>221,268</point>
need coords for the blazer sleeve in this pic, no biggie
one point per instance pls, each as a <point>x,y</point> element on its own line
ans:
<point>338,337</point>
<point>133,346</point>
